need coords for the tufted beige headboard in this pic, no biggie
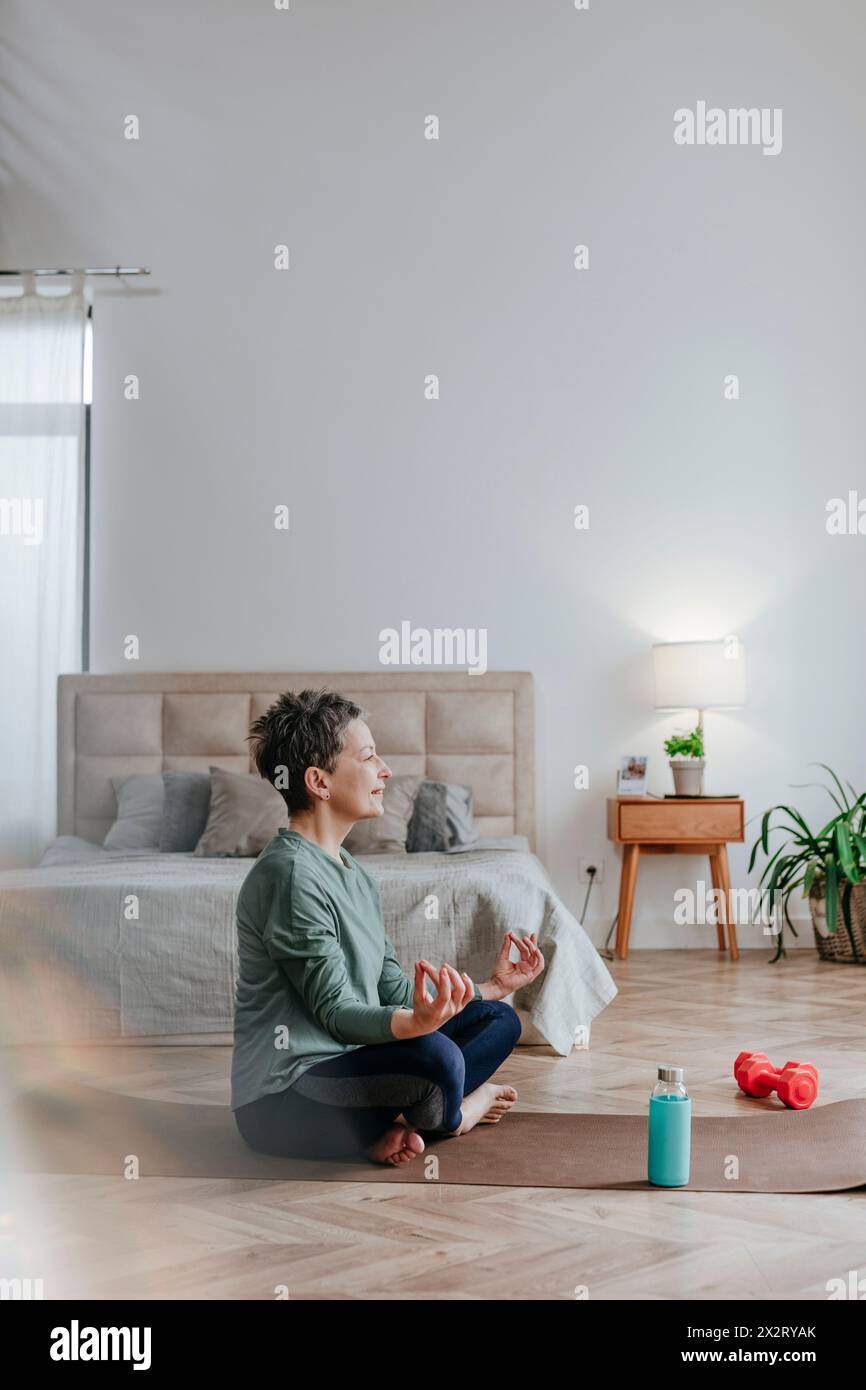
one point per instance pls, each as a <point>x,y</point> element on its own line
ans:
<point>452,727</point>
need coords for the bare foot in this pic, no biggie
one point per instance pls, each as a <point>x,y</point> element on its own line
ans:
<point>500,1107</point>
<point>397,1145</point>
<point>487,1105</point>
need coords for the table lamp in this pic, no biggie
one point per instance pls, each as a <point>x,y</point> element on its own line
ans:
<point>700,676</point>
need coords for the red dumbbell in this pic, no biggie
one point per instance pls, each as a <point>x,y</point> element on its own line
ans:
<point>796,1083</point>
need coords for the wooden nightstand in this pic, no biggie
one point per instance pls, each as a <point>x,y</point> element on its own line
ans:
<point>703,825</point>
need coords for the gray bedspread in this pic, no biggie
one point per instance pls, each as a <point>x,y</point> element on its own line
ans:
<point>95,944</point>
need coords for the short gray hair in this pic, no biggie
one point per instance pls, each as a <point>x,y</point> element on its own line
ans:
<point>299,731</point>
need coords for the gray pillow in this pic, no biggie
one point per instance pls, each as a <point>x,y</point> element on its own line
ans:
<point>185,811</point>
<point>428,828</point>
<point>386,834</point>
<point>461,827</point>
<point>140,798</point>
<point>245,814</point>
<point>442,818</point>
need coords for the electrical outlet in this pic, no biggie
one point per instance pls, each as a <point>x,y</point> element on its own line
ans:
<point>586,865</point>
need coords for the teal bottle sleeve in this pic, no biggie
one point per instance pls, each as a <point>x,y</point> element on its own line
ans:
<point>669,1146</point>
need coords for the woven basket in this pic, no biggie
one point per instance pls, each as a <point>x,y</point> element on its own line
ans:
<point>844,946</point>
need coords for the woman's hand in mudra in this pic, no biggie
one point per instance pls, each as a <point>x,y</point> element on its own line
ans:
<point>454,990</point>
<point>509,975</point>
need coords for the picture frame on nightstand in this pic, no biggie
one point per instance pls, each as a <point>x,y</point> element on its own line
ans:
<point>631,778</point>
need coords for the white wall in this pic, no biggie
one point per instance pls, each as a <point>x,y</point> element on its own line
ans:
<point>558,387</point>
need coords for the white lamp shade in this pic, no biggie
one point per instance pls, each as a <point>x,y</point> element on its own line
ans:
<point>700,675</point>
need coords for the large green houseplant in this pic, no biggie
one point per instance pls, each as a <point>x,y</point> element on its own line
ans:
<point>827,866</point>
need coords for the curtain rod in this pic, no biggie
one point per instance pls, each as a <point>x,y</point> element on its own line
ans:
<point>104,270</point>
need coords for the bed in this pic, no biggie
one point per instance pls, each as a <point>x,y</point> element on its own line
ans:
<point>136,946</point>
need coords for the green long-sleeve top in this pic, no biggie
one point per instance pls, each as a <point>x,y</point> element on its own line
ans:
<point>317,973</point>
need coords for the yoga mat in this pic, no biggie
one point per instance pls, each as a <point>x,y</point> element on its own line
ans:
<point>73,1128</point>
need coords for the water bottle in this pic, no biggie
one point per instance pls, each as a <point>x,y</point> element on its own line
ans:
<point>670,1130</point>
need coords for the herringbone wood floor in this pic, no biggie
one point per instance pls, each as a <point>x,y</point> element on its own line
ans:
<point>190,1239</point>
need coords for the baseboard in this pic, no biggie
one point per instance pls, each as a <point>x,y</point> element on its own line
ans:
<point>660,934</point>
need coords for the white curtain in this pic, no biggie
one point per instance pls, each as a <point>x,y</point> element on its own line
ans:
<point>42,348</point>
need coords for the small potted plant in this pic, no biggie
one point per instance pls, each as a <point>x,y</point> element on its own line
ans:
<point>687,762</point>
<point>829,867</point>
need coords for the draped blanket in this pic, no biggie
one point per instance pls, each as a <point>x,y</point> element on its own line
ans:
<point>95,944</point>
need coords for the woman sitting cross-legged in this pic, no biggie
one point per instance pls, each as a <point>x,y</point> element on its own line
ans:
<point>337,1053</point>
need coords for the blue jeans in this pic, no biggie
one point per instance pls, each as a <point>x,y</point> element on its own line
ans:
<point>338,1108</point>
